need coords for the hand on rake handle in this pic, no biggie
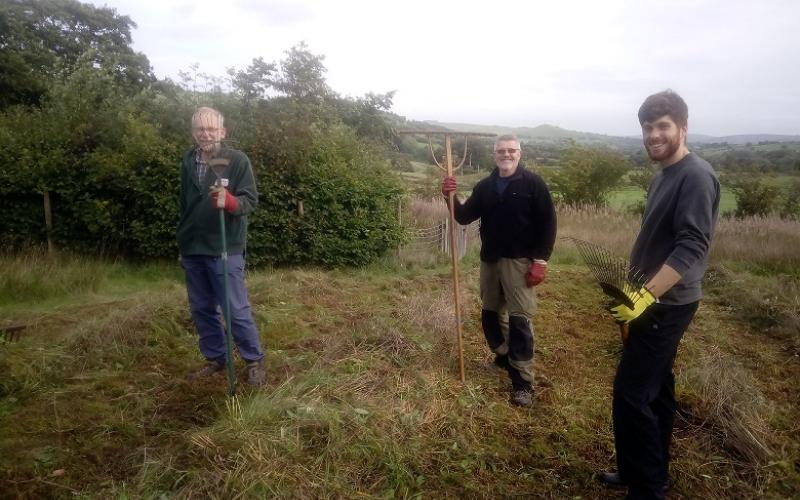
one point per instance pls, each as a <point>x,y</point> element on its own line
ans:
<point>536,272</point>
<point>448,186</point>
<point>223,198</point>
<point>641,300</point>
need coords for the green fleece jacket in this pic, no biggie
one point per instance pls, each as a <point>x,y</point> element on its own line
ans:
<point>199,227</point>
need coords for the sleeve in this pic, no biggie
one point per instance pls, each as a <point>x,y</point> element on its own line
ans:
<point>469,211</point>
<point>544,215</point>
<point>184,183</point>
<point>245,190</point>
<point>693,221</point>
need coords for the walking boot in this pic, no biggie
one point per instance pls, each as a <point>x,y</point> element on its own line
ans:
<point>256,374</point>
<point>210,368</point>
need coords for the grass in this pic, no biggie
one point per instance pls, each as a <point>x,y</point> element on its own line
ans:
<point>363,398</point>
<point>628,197</point>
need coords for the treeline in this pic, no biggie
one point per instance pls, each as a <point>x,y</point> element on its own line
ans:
<point>90,136</point>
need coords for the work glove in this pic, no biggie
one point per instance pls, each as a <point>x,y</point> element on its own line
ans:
<point>448,186</point>
<point>536,272</point>
<point>222,198</point>
<point>641,300</point>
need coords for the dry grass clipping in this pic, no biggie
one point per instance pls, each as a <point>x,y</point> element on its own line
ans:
<point>727,401</point>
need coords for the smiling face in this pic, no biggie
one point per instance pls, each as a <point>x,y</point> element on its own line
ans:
<point>506,156</point>
<point>664,140</point>
<point>207,130</point>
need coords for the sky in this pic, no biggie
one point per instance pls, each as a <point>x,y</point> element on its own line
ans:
<point>581,65</point>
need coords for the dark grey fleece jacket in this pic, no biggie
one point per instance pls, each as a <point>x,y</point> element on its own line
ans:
<point>677,226</point>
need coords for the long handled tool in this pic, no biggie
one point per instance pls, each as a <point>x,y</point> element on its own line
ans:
<point>616,277</point>
<point>218,166</point>
<point>448,168</point>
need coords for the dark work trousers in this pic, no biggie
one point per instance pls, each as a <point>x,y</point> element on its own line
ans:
<point>644,398</point>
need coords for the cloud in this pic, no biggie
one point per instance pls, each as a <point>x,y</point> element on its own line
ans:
<point>573,63</point>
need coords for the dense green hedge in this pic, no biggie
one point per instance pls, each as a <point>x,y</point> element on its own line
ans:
<point>111,165</point>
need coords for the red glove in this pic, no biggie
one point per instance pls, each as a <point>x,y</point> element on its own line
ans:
<point>223,198</point>
<point>536,272</point>
<point>448,186</point>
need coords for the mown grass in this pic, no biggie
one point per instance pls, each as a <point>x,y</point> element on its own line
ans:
<point>363,398</point>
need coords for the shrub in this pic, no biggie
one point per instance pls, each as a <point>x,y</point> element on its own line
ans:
<point>587,176</point>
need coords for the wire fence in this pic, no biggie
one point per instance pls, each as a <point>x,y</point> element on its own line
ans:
<point>436,238</point>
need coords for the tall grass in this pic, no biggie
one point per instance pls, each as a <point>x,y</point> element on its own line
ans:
<point>770,241</point>
<point>35,276</point>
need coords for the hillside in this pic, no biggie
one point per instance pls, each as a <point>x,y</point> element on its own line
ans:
<point>553,133</point>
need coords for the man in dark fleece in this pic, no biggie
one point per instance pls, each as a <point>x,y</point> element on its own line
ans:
<point>518,229</point>
<point>672,252</point>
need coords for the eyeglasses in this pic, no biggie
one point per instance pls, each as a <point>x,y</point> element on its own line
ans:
<point>504,152</point>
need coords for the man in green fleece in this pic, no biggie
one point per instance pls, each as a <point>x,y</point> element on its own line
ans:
<point>200,244</point>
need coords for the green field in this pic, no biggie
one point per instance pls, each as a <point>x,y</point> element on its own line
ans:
<point>622,199</point>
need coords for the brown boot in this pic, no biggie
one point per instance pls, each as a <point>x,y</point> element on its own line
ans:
<point>256,374</point>
<point>208,369</point>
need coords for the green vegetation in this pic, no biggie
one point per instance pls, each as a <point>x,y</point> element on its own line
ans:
<point>362,397</point>
<point>101,147</point>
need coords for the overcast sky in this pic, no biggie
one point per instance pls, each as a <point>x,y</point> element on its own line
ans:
<point>582,65</point>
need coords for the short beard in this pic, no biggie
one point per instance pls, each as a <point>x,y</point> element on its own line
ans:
<point>210,148</point>
<point>671,147</point>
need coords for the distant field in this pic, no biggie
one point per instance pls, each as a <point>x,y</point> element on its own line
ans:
<point>428,176</point>
<point>622,199</point>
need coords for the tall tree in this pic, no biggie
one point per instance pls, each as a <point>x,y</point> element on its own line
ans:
<point>40,39</point>
<point>303,74</point>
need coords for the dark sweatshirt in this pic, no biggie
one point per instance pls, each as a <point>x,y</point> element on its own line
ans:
<point>520,222</point>
<point>677,226</point>
<point>199,226</point>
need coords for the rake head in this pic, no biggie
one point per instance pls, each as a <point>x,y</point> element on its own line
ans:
<point>11,333</point>
<point>616,277</point>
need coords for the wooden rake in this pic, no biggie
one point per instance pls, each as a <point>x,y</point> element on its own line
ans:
<point>449,169</point>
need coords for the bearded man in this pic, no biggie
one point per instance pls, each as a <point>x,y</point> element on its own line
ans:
<point>672,252</point>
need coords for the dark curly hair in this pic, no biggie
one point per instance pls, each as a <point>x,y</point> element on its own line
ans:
<point>667,102</point>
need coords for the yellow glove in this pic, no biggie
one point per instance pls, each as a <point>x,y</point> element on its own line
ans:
<point>641,300</point>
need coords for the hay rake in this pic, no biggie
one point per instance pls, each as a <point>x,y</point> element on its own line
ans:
<point>11,333</point>
<point>616,277</point>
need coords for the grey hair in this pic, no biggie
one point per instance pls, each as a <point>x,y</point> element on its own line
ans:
<point>204,110</point>
<point>507,138</point>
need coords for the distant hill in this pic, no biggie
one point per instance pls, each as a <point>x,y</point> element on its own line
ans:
<point>745,138</point>
<point>547,133</point>
<point>555,134</point>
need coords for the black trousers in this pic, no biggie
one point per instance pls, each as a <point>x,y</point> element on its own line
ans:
<point>644,398</point>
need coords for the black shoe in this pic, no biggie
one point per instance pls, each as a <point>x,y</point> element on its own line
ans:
<point>612,479</point>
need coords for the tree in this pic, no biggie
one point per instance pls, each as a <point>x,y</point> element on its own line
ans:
<point>253,82</point>
<point>367,116</point>
<point>303,74</point>
<point>41,39</point>
<point>588,175</point>
<point>753,197</point>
